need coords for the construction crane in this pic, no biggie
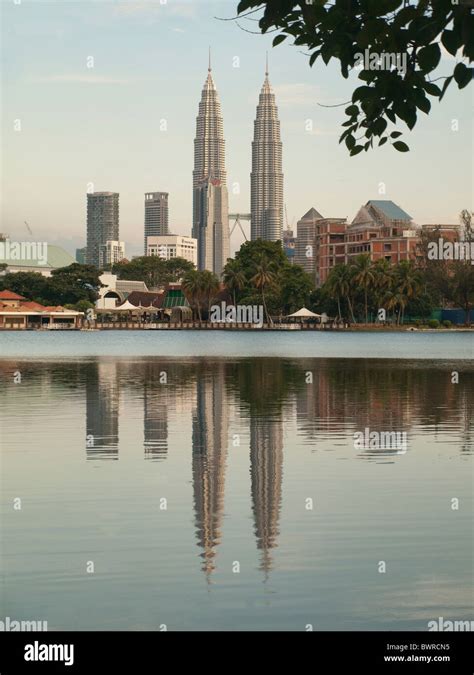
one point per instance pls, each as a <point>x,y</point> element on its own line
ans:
<point>286,218</point>
<point>28,227</point>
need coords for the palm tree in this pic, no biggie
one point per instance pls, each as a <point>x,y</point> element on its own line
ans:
<point>364,277</point>
<point>264,276</point>
<point>192,287</point>
<point>408,282</point>
<point>396,299</point>
<point>234,277</point>
<point>337,286</point>
<point>209,286</point>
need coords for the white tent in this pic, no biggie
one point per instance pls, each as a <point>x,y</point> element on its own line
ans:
<point>303,313</point>
<point>126,307</point>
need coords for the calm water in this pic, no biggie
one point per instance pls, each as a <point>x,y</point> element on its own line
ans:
<point>414,345</point>
<point>93,445</point>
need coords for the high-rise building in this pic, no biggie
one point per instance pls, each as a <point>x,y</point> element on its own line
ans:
<point>156,215</point>
<point>266,179</point>
<point>111,252</point>
<point>210,196</point>
<point>102,223</point>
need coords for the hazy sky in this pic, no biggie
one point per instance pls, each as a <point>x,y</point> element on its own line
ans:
<point>101,124</point>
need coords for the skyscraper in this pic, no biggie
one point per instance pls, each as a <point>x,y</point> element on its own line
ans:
<point>266,179</point>
<point>210,197</point>
<point>102,223</point>
<point>156,215</point>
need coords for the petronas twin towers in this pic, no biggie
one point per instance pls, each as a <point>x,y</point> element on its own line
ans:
<point>210,196</point>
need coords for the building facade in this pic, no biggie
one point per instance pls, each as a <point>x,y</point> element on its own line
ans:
<point>102,223</point>
<point>380,229</point>
<point>156,215</point>
<point>173,246</point>
<point>266,178</point>
<point>111,252</point>
<point>210,196</point>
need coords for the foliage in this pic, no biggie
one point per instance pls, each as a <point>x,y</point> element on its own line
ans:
<point>153,270</point>
<point>262,273</point>
<point>416,30</point>
<point>66,285</point>
<point>200,287</point>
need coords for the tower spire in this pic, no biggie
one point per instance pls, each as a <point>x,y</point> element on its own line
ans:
<point>209,67</point>
<point>266,65</point>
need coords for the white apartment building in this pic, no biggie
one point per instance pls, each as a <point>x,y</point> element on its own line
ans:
<point>111,252</point>
<point>169,246</point>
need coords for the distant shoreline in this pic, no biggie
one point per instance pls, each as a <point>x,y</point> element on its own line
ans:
<point>244,329</point>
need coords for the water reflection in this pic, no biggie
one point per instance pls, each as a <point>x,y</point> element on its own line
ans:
<point>323,402</point>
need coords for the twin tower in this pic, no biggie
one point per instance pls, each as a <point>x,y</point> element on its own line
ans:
<point>210,196</point>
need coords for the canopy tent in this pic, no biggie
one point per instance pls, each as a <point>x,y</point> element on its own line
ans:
<point>126,307</point>
<point>303,313</point>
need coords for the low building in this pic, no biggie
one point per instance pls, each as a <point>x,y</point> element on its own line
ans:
<point>114,291</point>
<point>168,246</point>
<point>17,313</point>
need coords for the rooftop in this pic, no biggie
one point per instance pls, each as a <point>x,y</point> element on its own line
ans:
<point>389,209</point>
<point>10,295</point>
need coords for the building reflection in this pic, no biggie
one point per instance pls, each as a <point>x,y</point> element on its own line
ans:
<point>102,410</point>
<point>265,395</point>
<point>210,424</point>
<point>266,471</point>
<point>155,413</point>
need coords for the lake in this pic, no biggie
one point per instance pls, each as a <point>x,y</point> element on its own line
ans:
<point>143,486</point>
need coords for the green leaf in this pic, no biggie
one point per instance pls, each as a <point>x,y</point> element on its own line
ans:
<point>395,134</point>
<point>362,93</point>
<point>432,89</point>
<point>350,141</point>
<point>383,141</point>
<point>356,149</point>
<point>278,40</point>
<point>429,57</point>
<point>463,75</point>
<point>401,146</point>
<point>422,102</point>
<point>379,126</point>
<point>352,111</point>
<point>313,58</point>
<point>451,41</point>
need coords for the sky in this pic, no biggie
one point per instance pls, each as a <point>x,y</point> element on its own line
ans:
<point>105,93</point>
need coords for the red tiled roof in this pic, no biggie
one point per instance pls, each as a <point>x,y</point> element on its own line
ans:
<point>10,295</point>
<point>35,306</point>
